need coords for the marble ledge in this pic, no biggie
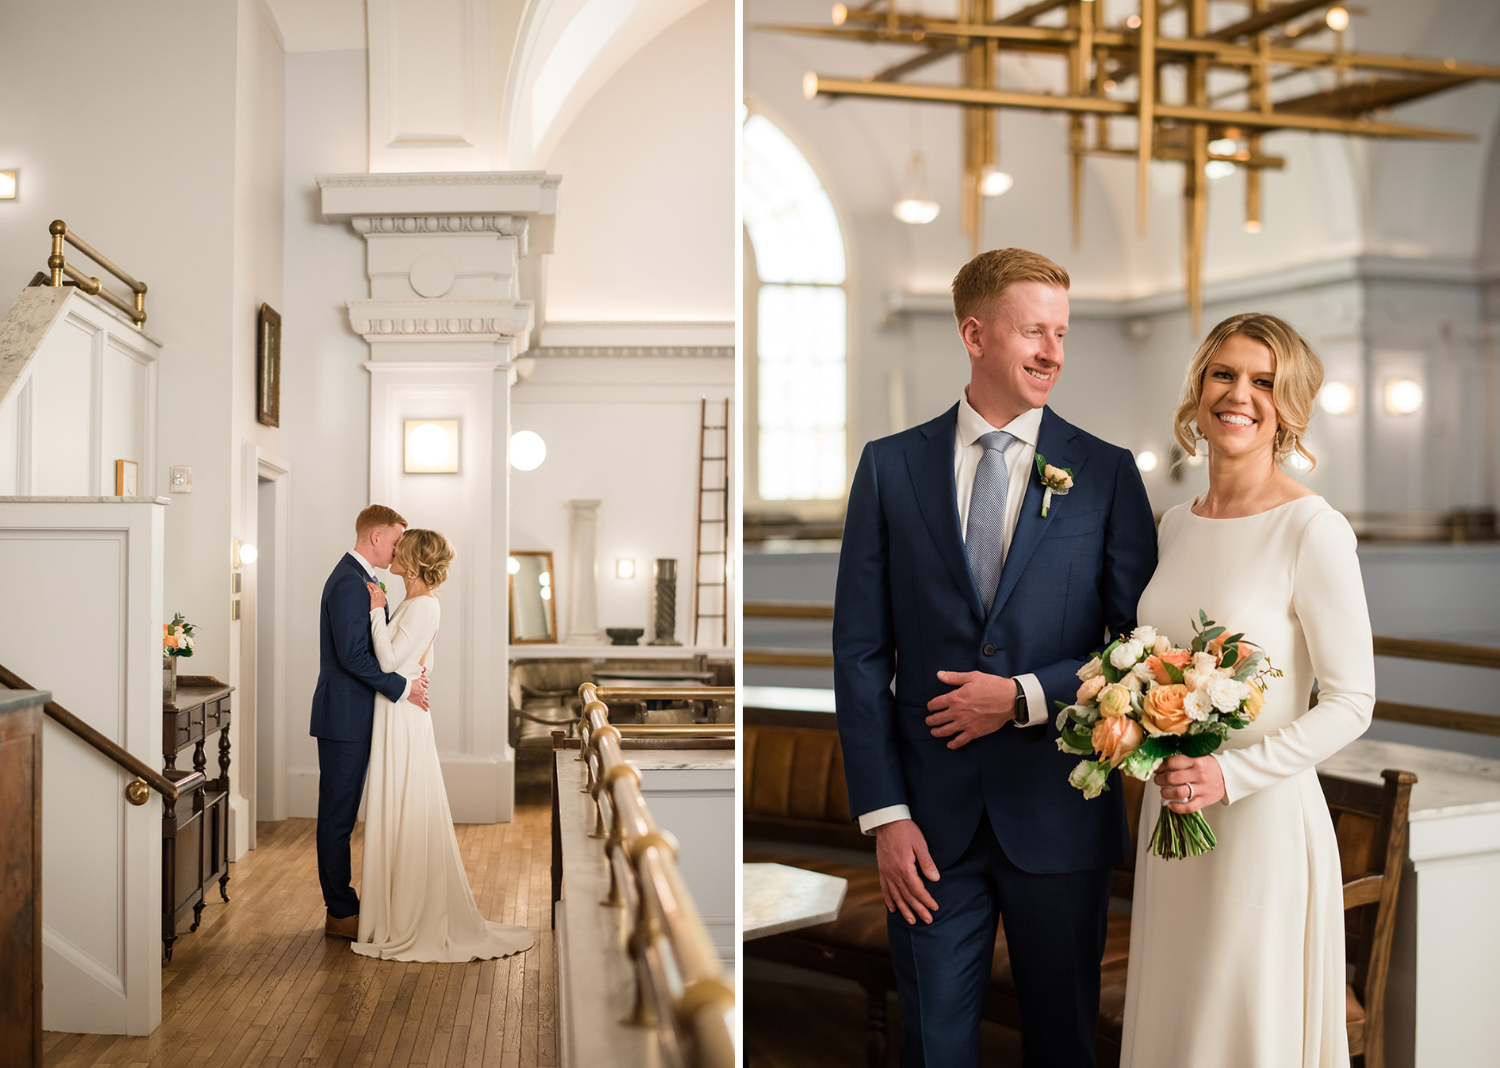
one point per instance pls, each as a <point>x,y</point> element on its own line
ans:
<point>681,759</point>
<point>85,500</point>
<point>1448,784</point>
<point>563,651</point>
<point>10,700</point>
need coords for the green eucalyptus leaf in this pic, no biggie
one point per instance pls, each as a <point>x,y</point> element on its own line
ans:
<point>1173,671</point>
<point>1200,745</point>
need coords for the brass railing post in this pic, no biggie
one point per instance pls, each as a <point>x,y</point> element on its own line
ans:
<point>56,261</point>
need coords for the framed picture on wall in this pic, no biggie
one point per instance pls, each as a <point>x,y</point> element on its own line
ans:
<point>127,478</point>
<point>268,368</point>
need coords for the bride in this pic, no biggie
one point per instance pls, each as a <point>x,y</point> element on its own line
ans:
<point>1237,956</point>
<point>416,904</point>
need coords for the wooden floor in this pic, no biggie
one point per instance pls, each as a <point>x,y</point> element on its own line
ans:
<point>259,984</point>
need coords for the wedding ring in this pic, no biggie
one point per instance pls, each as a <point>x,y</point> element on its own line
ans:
<point>1189,797</point>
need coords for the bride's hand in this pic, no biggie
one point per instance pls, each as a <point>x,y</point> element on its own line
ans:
<point>1203,773</point>
<point>377,595</point>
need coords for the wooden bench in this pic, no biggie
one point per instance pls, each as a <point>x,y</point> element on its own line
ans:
<point>796,807</point>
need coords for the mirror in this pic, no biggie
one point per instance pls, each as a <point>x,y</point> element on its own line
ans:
<point>533,598</point>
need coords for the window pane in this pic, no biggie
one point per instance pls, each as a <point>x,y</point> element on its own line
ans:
<point>801,390</point>
<point>792,224</point>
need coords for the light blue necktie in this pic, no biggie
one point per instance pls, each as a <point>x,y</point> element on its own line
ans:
<point>985,539</point>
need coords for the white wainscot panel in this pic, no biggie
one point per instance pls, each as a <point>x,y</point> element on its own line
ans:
<point>61,411</point>
<point>124,416</point>
<point>8,450</point>
<point>691,794</point>
<point>89,577</point>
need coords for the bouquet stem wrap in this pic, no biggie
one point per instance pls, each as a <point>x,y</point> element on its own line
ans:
<point>1179,835</point>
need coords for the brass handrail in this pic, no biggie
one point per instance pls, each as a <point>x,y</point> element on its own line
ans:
<point>644,878</point>
<point>660,693</point>
<point>786,658</point>
<point>145,775</point>
<point>787,610</point>
<point>57,263</point>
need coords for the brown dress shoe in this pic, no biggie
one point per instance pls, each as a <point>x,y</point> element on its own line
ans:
<point>342,927</point>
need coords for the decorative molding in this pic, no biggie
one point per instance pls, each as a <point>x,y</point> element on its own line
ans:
<point>636,337</point>
<point>508,225</point>
<point>389,181</point>
<point>713,352</point>
<point>470,318</point>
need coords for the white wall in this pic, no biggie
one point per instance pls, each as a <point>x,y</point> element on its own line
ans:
<point>645,225</point>
<point>325,405</point>
<point>624,431</point>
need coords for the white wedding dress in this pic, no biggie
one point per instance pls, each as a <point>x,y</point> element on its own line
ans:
<point>415,901</point>
<point>1237,956</point>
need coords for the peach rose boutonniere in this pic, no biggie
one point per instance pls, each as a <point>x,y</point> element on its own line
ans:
<point>1056,481</point>
<point>1143,699</point>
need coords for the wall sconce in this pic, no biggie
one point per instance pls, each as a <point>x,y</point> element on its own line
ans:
<point>625,569</point>
<point>1403,396</point>
<point>244,553</point>
<point>10,184</point>
<point>513,565</point>
<point>1146,460</point>
<point>431,446</point>
<point>527,450</point>
<point>1336,398</point>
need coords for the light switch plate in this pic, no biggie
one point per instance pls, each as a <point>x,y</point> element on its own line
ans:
<point>180,480</point>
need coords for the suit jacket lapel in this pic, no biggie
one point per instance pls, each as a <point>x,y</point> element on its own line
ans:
<point>930,464</point>
<point>1054,441</point>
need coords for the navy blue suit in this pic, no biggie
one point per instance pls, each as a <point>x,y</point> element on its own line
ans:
<point>1007,832</point>
<point>343,712</point>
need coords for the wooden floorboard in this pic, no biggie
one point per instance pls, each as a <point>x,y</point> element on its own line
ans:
<point>257,984</point>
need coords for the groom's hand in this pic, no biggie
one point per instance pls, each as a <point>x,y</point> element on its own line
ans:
<point>419,691</point>
<point>981,705</point>
<point>900,849</point>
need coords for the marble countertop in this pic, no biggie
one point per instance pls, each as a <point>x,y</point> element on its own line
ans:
<point>85,500</point>
<point>1448,784</point>
<point>562,651</point>
<point>780,898</point>
<point>681,759</point>
<point>786,698</point>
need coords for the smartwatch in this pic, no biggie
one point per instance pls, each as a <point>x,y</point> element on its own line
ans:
<point>1021,714</point>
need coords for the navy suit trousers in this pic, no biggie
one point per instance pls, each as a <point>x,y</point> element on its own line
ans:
<point>1055,927</point>
<point>341,783</point>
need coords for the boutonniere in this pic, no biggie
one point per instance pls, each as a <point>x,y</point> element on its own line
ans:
<point>1055,480</point>
<point>381,585</point>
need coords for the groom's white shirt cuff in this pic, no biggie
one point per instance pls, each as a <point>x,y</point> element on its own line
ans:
<point>1036,713</point>
<point>362,562</point>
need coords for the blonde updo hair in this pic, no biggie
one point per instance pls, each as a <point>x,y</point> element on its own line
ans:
<point>425,554</point>
<point>1299,376</point>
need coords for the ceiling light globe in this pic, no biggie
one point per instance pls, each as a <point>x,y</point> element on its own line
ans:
<point>995,183</point>
<point>1146,460</point>
<point>1338,18</point>
<point>915,212</point>
<point>527,450</point>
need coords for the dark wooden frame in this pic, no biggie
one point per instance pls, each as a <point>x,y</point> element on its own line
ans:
<point>195,845</point>
<point>268,367</point>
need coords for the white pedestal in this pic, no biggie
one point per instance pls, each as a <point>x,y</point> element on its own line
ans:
<point>583,574</point>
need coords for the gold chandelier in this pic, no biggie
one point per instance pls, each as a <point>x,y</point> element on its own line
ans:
<point>1262,48</point>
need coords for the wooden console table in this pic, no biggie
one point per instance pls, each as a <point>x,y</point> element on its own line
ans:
<point>195,844</point>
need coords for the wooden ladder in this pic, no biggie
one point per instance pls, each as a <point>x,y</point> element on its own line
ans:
<point>713,516</point>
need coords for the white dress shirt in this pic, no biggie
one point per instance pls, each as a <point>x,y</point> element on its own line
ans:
<point>370,570</point>
<point>1019,461</point>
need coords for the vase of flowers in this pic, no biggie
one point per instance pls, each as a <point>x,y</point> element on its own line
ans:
<point>176,641</point>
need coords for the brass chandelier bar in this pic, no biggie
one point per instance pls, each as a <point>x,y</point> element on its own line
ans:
<point>1101,59</point>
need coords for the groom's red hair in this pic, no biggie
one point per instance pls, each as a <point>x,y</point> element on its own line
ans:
<point>988,275</point>
<point>375,517</point>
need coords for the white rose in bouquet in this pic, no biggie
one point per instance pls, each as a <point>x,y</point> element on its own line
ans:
<point>1145,635</point>
<point>1143,672</point>
<point>1126,654</point>
<point>1205,663</point>
<point>1198,705</point>
<point>1094,667</point>
<point>1226,694</point>
<point>1162,646</point>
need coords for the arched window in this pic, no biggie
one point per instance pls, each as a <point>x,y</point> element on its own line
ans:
<point>800,322</point>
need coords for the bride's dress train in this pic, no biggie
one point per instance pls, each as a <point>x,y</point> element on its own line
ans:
<point>415,901</point>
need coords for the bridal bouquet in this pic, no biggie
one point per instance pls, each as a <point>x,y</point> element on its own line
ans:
<point>1143,699</point>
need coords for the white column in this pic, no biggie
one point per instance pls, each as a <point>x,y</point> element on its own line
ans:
<point>583,590</point>
<point>447,313</point>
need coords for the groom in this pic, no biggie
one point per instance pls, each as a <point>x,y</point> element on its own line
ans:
<point>953,584</point>
<point>343,707</point>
